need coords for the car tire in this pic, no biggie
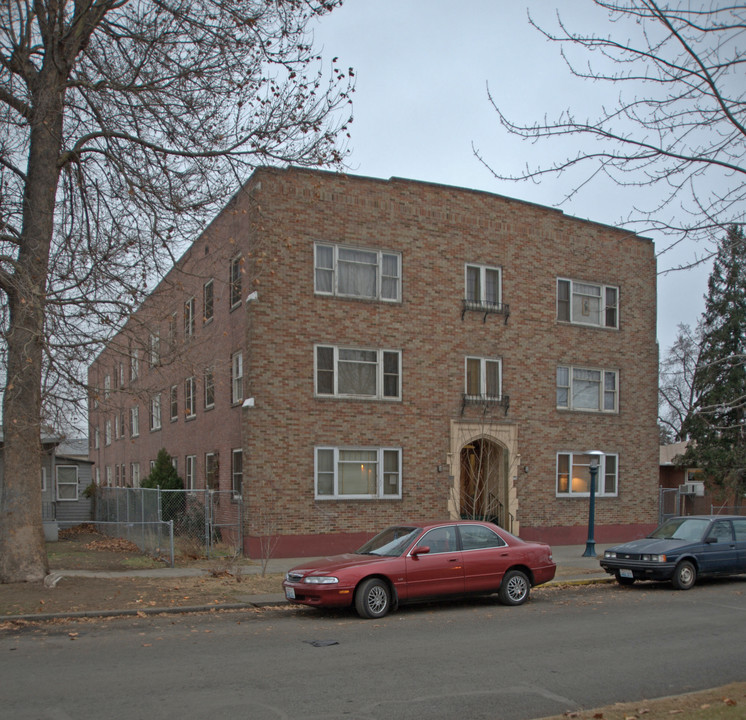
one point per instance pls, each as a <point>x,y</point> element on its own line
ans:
<point>684,575</point>
<point>373,599</point>
<point>515,588</point>
<point>624,580</point>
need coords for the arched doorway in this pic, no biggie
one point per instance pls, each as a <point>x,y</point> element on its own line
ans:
<point>483,486</point>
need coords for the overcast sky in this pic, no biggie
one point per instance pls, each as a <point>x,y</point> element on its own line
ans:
<point>422,69</point>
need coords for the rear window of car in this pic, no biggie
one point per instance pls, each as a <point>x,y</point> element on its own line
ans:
<point>478,537</point>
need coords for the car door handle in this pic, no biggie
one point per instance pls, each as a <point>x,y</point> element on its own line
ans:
<point>452,559</point>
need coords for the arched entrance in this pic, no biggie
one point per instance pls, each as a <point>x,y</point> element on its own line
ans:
<point>483,489</point>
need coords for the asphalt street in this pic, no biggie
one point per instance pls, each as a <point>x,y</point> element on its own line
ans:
<point>568,648</point>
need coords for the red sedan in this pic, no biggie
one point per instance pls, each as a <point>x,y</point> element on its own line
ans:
<point>410,563</point>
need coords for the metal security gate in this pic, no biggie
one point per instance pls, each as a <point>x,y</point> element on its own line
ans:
<point>669,504</point>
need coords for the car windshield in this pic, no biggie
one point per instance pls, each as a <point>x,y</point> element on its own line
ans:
<point>691,529</point>
<point>392,542</point>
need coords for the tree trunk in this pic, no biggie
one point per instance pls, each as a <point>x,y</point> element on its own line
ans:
<point>22,551</point>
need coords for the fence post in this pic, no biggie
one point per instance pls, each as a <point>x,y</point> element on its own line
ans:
<point>160,513</point>
<point>171,532</point>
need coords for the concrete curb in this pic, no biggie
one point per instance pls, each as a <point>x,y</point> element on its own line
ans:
<point>185,609</point>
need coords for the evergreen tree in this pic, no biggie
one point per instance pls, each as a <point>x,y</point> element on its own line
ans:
<point>163,474</point>
<point>716,425</point>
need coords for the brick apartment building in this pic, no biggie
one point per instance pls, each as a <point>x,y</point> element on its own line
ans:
<point>347,352</point>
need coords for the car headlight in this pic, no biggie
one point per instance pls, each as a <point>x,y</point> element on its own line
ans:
<point>609,554</point>
<point>320,580</point>
<point>653,558</point>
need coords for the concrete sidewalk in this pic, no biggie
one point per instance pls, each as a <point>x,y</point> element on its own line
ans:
<point>572,567</point>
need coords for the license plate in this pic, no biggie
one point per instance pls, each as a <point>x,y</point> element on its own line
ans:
<point>626,574</point>
<point>289,593</point>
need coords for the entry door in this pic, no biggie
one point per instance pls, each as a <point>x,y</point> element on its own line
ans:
<point>440,571</point>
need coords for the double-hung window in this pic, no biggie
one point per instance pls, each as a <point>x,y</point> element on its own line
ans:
<point>352,372</point>
<point>190,391</point>
<point>209,388</point>
<point>357,272</point>
<point>174,403</point>
<point>587,389</point>
<point>236,377</point>
<point>155,349</point>
<point>135,421</point>
<point>358,473</point>
<point>134,364</point>
<point>587,303</point>
<point>190,472</point>
<point>483,378</point>
<point>237,472</point>
<point>235,281</point>
<point>135,474</point>
<point>155,412</point>
<point>208,302</point>
<point>574,474</point>
<point>483,286</point>
<point>67,482</point>
<point>189,319</point>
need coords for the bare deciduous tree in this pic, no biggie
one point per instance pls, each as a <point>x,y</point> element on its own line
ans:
<point>122,124</point>
<point>676,393</point>
<point>678,125</point>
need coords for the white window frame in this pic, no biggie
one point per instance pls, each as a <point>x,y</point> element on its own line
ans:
<point>577,289</point>
<point>190,472</point>
<point>235,283</point>
<point>237,378</point>
<point>134,364</point>
<point>190,320</point>
<point>154,346</point>
<point>135,474</point>
<point>107,433</point>
<point>209,383</point>
<point>107,386</point>
<point>108,476</point>
<point>605,393</point>
<point>569,486</point>
<point>237,472</point>
<point>155,412</point>
<point>67,483</point>
<point>380,372</point>
<point>382,477</point>
<point>190,397</point>
<point>208,301</point>
<point>212,465</point>
<point>135,421</point>
<point>469,360</point>
<point>477,296</point>
<point>174,403</point>
<point>330,270</point>
<point>43,479</point>
<point>96,438</point>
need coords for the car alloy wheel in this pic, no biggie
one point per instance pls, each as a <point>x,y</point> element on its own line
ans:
<point>372,599</point>
<point>514,588</point>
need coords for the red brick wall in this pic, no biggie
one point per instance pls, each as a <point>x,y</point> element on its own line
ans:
<point>437,230</point>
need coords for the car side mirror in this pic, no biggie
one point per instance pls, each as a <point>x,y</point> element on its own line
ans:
<point>710,540</point>
<point>420,550</point>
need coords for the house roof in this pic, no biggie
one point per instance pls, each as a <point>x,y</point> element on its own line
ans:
<point>668,453</point>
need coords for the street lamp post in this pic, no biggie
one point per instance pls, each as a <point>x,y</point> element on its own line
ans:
<point>590,543</point>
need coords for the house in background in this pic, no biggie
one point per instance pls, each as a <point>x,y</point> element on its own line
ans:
<point>343,352</point>
<point>65,474</point>
<point>683,490</point>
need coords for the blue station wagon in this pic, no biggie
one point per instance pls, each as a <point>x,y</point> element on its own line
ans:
<point>681,550</point>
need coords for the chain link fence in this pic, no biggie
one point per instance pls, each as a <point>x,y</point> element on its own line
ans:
<point>173,524</point>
